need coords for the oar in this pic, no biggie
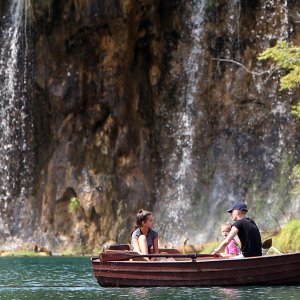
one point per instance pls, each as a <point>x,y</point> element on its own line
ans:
<point>119,256</point>
<point>266,244</point>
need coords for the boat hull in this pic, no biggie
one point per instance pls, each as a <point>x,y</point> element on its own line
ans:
<point>266,270</point>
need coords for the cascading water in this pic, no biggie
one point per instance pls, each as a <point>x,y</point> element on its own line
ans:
<point>234,11</point>
<point>15,125</point>
<point>213,157</point>
<point>270,25</point>
<point>176,190</point>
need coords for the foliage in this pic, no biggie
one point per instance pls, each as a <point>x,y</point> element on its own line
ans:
<point>75,251</point>
<point>296,111</point>
<point>74,205</point>
<point>288,240</point>
<point>286,57</point>
<point>296,180</point>
<point>22,253</point>
<point>209,247</point>
<point>212,5</point>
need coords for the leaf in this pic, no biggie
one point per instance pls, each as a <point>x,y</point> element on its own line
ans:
<point>287,58</point>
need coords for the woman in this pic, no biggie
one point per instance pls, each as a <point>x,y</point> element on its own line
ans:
<point>144,239</point>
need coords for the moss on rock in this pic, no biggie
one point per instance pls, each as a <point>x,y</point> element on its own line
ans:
<point>288,240</point>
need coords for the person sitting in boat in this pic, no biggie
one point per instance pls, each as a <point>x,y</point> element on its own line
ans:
<point>247,231</point>
<point>232,248</point>
<point>144,239</point>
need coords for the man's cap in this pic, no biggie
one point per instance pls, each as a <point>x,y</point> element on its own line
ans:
<point>238,206</point>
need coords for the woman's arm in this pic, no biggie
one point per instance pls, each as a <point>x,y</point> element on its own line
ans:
<point>155,246</point>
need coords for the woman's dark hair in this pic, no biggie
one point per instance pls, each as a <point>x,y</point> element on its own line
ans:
<point>142,216</point>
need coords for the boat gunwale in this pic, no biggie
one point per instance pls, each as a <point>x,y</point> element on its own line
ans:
<point>267,259</point>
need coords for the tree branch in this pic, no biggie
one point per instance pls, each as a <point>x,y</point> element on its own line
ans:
<point>270,72</point>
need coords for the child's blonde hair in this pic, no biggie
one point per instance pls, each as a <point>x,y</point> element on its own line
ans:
<point>226,225</point>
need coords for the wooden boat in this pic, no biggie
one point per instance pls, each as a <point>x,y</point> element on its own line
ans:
<point>121,268</point>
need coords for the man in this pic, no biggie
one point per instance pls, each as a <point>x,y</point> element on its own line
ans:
<point>247,231</point>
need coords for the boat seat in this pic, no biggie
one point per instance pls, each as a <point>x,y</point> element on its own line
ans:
<point>182,259</point>
<point>119,247</point>
<point>139,259</point>
<point>127,247</point>
<point>168,251</point>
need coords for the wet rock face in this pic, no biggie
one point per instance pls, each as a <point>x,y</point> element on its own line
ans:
<point>133,108</point>
<point>229,135</point>
<point>96,69</point>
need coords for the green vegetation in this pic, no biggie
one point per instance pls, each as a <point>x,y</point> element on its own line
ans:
<point>209,247</point>
<point>288,240</point>
<point>78,250</point>
<point>286,57</point>
<point>23,253</point>
<point>74,205</point>
<point>296,180</point>
<point>212,5</point>
<point>296,111</point>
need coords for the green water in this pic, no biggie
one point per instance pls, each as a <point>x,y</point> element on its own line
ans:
<point>72,278</point>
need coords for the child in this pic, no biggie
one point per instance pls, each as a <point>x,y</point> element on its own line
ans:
<point>232,249</point>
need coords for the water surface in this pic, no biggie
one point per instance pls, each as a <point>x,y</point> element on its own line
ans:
<point>72,278</point>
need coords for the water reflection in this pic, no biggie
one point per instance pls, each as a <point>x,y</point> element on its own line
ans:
<point>229,293</point>
<point>141,293</point>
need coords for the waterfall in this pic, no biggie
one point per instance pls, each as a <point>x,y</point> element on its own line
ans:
<point>15,125</point>
<point>240,152</point>
<point>238,160</point>
<point>176,187</point>
<point>234,11</point>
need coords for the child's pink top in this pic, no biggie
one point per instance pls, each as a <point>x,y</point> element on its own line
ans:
<point>232,248</point>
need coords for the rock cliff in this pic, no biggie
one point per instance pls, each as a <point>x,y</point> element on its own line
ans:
<point>141,104</point>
